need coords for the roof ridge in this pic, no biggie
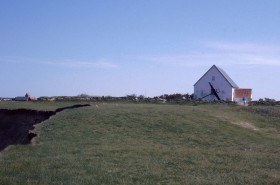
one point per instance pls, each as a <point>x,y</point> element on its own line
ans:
<point>226,76</point>
<point>223,73</point>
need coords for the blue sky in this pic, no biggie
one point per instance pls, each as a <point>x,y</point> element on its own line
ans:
<point>120,47</point>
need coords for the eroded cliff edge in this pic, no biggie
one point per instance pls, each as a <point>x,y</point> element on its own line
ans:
<point>16,125</point>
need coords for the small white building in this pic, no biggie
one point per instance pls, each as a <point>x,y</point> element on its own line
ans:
<point>215,84</point>
<point>242,96</point>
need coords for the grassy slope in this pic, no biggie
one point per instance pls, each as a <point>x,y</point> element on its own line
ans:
<point>148,144</point>
<point>37,105</point>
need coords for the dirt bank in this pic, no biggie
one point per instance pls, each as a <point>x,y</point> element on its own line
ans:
<point>16,125</point>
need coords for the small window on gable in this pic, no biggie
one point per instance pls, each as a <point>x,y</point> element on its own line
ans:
<point>213,78</point>
<point>201,93</point>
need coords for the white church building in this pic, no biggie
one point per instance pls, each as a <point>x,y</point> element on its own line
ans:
<point>215,84</point>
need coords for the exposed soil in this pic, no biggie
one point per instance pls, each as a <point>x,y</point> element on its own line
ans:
<point>16,125</point>
<point>243,124</point>
<point>246,125</point>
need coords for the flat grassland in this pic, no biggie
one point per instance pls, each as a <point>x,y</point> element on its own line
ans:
<point>119,143</point>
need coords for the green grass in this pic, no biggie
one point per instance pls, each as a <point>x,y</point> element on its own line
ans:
<point>148,144</point>
<point>37,105</point>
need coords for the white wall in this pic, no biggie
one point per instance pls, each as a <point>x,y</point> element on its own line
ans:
<point>224,89</point>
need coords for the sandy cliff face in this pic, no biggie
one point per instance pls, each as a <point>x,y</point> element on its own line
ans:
<point>16,125</point>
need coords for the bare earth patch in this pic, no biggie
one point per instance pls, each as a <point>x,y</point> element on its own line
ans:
<point>245,125</point>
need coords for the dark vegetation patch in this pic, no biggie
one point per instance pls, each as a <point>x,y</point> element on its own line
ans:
<point>267,111</point>
<point>16,125</point>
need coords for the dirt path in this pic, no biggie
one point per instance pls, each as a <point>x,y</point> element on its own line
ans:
<point>245,125</point>
<point>240,123</point>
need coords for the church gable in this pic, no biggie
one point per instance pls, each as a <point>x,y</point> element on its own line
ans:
<point>215,84</point>
<point>222,73</point>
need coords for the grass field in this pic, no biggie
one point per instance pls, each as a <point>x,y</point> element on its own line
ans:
<point>37,105</point>
<point>148,144</point>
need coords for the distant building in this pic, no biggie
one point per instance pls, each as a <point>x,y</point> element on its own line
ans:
<point>242,96</point>
<point>30,98</point>
<point>27,97</point>
<point>21,98</point>
<point>6,99</point>
<point>215,84</point>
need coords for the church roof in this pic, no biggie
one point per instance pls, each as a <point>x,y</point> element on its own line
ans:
<point>224,74</point>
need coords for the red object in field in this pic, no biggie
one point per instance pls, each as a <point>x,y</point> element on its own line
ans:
<point>30,98</point>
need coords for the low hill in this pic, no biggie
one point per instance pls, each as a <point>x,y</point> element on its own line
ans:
<point>149,144</point>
